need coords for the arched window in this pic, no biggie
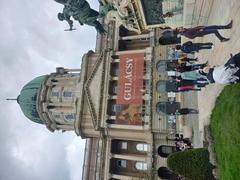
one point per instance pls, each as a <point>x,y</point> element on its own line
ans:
<point>55,93</point>
<point>114,69</point>
<point>161,107</point>
<point>57,116</point>
<point>69,117</point>
<point>165,173</point>
<point>123,145</point>
<point>140,165</point>
<point>67,94</point>
<point>166,150</point>
<point>118,108</point>
<point>161,86</point>
<point>122,163</point>
<point>161,66</point>
<point>167,107</point>
<point>142,147</point>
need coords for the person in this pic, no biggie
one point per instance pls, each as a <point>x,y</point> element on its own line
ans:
<point>201,31</point>
<point>183,59</point>
<point>186,68</point>
<point>189,85</point>
<point>80,11</point>
<point>190,47</point>
<point>191,75</point>
<point>225,74</point>
<point>168,38</point>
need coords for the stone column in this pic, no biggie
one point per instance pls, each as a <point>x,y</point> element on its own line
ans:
<point>129,127</point>
<point>141,36</point>
<point>116,176</point>
<point>130,52</point>
<point>130,158</point>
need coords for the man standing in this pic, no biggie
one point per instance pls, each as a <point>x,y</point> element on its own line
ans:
<point>190,47</point>
<point>201,31</point>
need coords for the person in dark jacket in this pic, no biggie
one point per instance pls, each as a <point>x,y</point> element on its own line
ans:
<point>190,47</point>
<point>201,31</point>
<point>169,38</point>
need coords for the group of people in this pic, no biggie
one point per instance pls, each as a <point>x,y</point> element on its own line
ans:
<point>202,74</point>
<point>192,76</point>
<point>182,143</point>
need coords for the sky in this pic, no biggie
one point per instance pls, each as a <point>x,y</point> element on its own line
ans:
<point>33,43</point>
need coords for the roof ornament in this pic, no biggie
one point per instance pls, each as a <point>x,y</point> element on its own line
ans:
<point>9,99</point>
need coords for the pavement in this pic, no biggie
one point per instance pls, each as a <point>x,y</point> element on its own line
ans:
<point>221,13</point>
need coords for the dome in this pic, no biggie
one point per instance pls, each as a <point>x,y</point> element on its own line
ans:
<point>28,99</point>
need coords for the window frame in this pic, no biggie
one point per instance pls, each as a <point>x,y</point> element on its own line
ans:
<point>143,165</point>
<point>142,147</point>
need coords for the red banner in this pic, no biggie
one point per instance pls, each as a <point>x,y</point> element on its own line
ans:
<point>130,79</point>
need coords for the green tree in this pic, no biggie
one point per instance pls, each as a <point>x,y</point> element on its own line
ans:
<point>193,164</point>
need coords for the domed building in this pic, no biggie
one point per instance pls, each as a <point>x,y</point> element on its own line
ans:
<point>51,100</point>
<point>28,99</point>
<point>111,102</point>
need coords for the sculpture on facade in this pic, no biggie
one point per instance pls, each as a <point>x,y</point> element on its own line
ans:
<point>123,14</point>
<point>80,11</point>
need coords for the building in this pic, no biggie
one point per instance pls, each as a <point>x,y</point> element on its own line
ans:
<point>112,101</point>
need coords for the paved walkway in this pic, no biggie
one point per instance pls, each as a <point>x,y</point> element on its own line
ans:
<point>222,11</point>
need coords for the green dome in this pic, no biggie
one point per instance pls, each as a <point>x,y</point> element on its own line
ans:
<point>28,99</point>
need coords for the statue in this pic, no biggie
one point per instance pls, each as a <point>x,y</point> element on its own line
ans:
<point>80,11</point>
<point>122,15</point>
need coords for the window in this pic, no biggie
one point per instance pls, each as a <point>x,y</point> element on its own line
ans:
<point>161,66</point>
<point>122,163</point>
<point>56,116</point>
<point>115,89</point>
<point>55,93</point>
<point>70,117</point>
<point>161,107</point>
<point>123,145</point>
<point>117,108</point>
<point>161,86</point>
<point>114,69</point>
<point>140,165</point>
<point>142,147</point>
<point>165,173</point>
<point>67,94</point>
<point>166,150</point>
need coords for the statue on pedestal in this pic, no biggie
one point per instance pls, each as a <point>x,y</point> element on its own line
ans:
<point>80,11</point>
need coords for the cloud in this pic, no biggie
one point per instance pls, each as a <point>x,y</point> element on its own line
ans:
<point>33,42</point>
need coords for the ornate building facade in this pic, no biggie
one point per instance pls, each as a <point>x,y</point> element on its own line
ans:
<point>112,102</point>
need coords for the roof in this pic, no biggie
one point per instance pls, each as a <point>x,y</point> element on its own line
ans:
<point>28,99</point>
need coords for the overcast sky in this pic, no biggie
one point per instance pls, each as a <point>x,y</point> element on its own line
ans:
<point>33,43</point>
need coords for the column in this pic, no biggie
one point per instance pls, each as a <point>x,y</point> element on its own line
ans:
<point>114,78</point>
<point>141,36</point>
<point>129,127</point>
<point>130,158</point>
<point>130,52</point>
<point>116,176</point>
<point>112,97</point>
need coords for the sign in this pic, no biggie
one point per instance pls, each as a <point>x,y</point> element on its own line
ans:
<point>130,79</point>
<point>130,85</point>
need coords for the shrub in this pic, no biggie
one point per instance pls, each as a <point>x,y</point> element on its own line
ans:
<point>193,164</point>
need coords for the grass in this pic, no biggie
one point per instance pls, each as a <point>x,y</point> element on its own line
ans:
<point>225,127</point>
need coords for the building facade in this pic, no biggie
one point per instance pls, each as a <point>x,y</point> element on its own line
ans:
<point>112,101</point>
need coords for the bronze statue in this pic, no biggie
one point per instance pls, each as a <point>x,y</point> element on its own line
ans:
<point>81,11</point>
